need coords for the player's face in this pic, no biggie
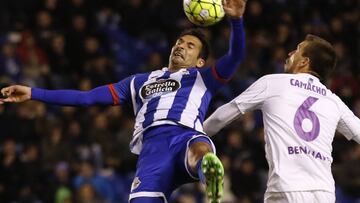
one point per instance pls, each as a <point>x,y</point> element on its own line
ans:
<point>185,52</point>
<point>295,60</point>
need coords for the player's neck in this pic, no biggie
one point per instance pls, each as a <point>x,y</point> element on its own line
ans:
<point>307,69</point>
<point>302,69</point>
<point>175,68</point>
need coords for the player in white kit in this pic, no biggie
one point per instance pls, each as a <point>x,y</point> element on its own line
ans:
<point>300,118</point>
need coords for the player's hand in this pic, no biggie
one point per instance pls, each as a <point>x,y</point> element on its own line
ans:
<point>234,8</point>
<point>15,93</point>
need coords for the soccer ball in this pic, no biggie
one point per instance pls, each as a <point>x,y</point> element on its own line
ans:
<point>204,12</point>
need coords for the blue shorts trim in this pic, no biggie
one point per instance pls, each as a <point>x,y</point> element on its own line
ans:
<point>194,139</point>
<point>147,194</point>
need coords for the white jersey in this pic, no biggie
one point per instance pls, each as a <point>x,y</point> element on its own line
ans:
<point>300,118</point>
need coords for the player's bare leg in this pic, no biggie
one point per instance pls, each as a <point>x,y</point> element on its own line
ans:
<point>200,157</point>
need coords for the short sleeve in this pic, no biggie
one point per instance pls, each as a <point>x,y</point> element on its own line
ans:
<point>253,97</point>
<point>349,124</point>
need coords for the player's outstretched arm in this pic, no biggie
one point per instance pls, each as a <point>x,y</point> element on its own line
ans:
<point>15,94</point>
<point>349,124</point>
<point>252,98</point>
<point>19,93</point>
<point>227,64</point>
<point>223,116</point>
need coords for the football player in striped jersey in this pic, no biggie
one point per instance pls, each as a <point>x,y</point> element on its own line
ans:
<point>170,106</point>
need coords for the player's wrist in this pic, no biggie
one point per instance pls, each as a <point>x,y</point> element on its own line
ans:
<point>236,20</point>
<point>28,93</point>
<point>36,93</point>
<point>235,17</point>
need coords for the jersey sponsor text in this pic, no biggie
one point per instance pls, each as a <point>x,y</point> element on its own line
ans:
<point>294,150</point>
<point>159,87</point>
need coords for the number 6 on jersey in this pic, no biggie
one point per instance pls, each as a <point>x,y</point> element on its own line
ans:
<point>302,114</point>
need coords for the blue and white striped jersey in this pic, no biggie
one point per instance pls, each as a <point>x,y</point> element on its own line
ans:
<point>163,97</point>
<point>177,98</point>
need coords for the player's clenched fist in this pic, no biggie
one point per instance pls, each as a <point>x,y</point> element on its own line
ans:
<point>15,93</point>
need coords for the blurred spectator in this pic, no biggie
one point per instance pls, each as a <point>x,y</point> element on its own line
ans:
<point>135,12</point>
<point>32,169</point>
<point>229,196</point>
<point>34,60</point>
<point>75,40</point>
<point>59,62</point>
<point>348,177</point>
<point>244,171</point>
<point>61,190</point>
<point>86,194</point>
<point>235,144</point>
<point>99,70</point>
<point>44,30</point>
<point>11,170</point>
<point>10,62</point>
<point>89,178</point>
<point>85,43</point>
<point>154,61</point>
<point>54,148</point>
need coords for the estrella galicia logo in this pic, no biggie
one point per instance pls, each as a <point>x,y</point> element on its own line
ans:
<point>158,88</point>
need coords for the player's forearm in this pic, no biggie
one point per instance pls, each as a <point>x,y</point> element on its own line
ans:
<point>99,95</point>
<point>237,40</point>
<point>349,124</point>
<point>227,64</point>
<point>223,116</point>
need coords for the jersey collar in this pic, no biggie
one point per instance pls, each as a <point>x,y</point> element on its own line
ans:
<point>309,75</point>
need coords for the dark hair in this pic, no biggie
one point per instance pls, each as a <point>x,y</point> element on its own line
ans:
<point>198,33</point>
<point>321,54</point>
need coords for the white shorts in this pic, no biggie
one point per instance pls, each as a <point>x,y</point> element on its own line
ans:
<point>315,196</point>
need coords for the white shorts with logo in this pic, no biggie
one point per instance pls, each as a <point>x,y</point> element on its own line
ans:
<point>315,196</point>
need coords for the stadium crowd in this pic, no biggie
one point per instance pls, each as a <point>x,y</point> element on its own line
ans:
<point>81,155</point>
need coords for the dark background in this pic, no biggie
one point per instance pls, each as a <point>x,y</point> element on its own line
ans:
<point>64,154</point>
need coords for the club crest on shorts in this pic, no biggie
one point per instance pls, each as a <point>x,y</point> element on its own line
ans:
<point>135,184</point>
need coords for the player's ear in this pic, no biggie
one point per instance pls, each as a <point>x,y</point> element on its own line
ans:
<point>200,62</point>
<point>305,61</point>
